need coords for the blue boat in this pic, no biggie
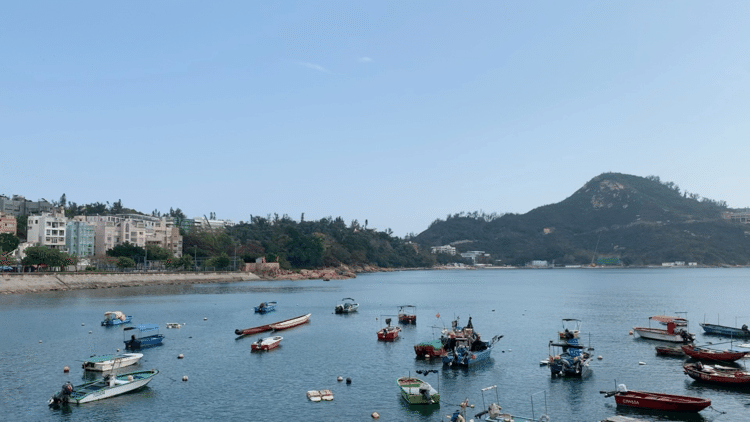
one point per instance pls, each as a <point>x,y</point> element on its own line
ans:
<point>723,330</point>
<point>141,336</point>
<point>265,307</point>
<point>115,318</point>
<point>466,348</point>
<point>572,361</point>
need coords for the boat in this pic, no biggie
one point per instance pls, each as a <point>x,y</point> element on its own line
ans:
<point>723,330</point>
<point>704,353</point>
<point>429,349</point>
<point>657,401</point>
<point>115,318</point>
<point>347,306</point>
<point>407,314</point>
<point>266,343</point>
<point>173,325</point>
<point>572,360</point>
<point>467,349</point>
<point>109,362</point>
<point>415,391</point>
<point>140,336</point>
<point>281,325</point>
<point>111,385</point>
<point>671,333</point>
<point>669,351</point>
<point>289,323</point>
<point>717,374</point>
<point>265,307</point>
<point>494,413</point>
<point>388,333</point>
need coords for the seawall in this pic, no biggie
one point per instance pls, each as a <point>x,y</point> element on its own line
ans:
<point>39,282</point>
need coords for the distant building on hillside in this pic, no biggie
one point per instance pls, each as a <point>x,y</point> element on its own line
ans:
<point>8,223</point>
<point>450,250</point>
<point>742,216</point>
<point>79,238</point>
<point>47,229</point>
<point>18,206</point>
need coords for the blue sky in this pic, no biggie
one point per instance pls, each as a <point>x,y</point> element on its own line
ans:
<point>394,112</point>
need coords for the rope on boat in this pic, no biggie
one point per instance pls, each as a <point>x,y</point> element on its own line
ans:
<point>718,411</point>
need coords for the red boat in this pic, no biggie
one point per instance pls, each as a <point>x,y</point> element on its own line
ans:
<point>717,374</point>
<point>267,343</point>
<point>388,333</point>
<point>278,326</point>
<point>703,353</point>
<point>657,401</point>
<point>407,314</point>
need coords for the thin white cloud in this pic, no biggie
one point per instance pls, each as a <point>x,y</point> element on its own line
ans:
<point>365,60</point>
<point>314,66</point>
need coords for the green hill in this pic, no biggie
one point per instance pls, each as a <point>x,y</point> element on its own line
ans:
<point>612,218</point>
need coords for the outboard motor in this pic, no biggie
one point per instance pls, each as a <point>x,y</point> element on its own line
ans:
<point>686,337</point>
<point>63,396</point>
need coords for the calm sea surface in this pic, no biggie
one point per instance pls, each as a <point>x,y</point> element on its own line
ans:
<point>227,381</point>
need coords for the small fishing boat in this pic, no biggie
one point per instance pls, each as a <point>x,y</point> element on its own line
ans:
<point>415,391</point>
<point>656,401</point>
<point>704,353</point>
<point>407,314</point>
<point>252,330</point>
<point>115,318</point>
<point>347,306</point>
<point>717,374</point>
<point>723,330</point>
<point>289,323</point>
<point>265,307</point>
<point>494,413</point>
<point>388,333</point>
<point>266,343</point>
<point>468,348</point>
<point>569,359</point>
<point>109,362</point>
<point>111,385</point>
<point>669,351</point>
<point>671,334</point>
<point>313,395</point>
<point>140,336</point>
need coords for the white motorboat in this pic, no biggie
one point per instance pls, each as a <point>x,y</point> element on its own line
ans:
<point>111,385</point>
<point>110,362</point>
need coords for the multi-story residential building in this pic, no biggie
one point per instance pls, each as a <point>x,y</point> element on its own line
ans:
<point>18,205</point>
<point>7,223</point>
<point>79,238</point>
<point>47,229</point>
<point>206,224</point>
<point>136,229</point>
<point>450,250</point>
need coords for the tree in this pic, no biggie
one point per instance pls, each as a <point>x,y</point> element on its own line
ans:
<point>136,253</point>
<point>41,255</point>
<point>63,201</point>
<point>8,242</point>
<point>222,261</point>
<point>158,253</point>
<point>125,262</point>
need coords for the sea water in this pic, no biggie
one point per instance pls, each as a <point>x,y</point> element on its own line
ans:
<point>44,332</point>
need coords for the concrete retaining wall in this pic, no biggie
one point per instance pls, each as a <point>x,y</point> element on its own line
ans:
<point>28,283</point>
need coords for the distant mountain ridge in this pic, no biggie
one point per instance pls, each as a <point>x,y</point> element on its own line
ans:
<point>627,219</point>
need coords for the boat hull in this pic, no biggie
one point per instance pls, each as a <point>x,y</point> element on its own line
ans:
<point>710,354</point>
<point>143,342</point>
<point>661,401</point>
<point>290,323</point>
<point>465,357</point>
<point>669,351</point>
<point>568,366</point>
<point>116,321</point>
<point>723,330</point>
<point>714,375</point>
<point>658,334</point>
<point>100,389</point>
<point>407,319</point>
<point>388,333</point>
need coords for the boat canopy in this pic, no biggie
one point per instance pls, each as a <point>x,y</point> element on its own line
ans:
<point>665,319</point>
<point>144,330</point>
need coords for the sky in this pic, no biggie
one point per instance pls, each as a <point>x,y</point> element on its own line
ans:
<point>394,112</point>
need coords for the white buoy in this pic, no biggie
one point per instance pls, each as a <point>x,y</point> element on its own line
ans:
<point>205,318</point>
<point>641,363</point>
<point>339,379</point>
<point>375,415</point>
<point>66,369</point>
<point>180,356</point>
<point>184,377</point>
<point>630,332</point>
<point>600,357</point>
<point>40,341</point>
<point>89,332</point>
<point>118,350</point>
<point>82,324</point>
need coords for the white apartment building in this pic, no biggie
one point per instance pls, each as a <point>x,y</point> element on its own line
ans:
<point>450,250</point>
<point>136,229</point>
<point>47,229</point>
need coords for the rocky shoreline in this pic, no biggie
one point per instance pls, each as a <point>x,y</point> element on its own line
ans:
<point>12,283</point>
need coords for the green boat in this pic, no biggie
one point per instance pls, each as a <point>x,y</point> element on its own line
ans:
<point>417,392</point>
